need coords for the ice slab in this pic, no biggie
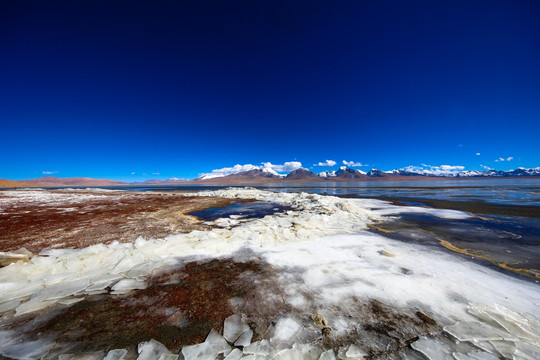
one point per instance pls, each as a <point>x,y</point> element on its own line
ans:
<point>168,356</point>
<point>70,301</point>
<point>151,350</point>
<point>288,354</point>
<point>97,355</point>
<point>528,350</point>
<point>61,290</point>
<point>261,348</point>
<point>233,327</point>
<point>33,305</point>
<point>218,343</point>
<point>524,327</point>
<point>244,339</point>
<point>10,305</point>
<point>328,355</point>
<point>477,331</point>
<point>127,285</point>
<point>116,354</point>
<point>31,350</point>
<point>475,355</point>
<point>433,349</point>
<point>235,354</point>
<point>203,351</point>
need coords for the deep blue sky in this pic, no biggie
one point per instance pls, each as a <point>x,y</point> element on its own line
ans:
<point>107,88</point>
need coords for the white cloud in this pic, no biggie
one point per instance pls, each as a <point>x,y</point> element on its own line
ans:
<point>510,158</point>
<point>285,167</point>
<point>485,167</point>
<point>477,153</point>
<point>49,172</point>
<point>155,173</point>
<point>267,166</point>
<point>435,170</point>
<point>133,173</point>
<point>352,163</point>
<point>326,163</point>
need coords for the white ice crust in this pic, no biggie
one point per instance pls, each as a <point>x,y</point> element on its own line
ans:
<point>324,258</point>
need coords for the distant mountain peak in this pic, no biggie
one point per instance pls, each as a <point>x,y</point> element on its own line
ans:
<point>345,172</point>
<point>301,173</point>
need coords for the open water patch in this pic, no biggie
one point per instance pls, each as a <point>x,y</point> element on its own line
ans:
<point>241,210</point>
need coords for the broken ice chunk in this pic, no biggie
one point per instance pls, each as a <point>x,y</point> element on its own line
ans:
<point>218,343</point>
<point>70,301</point>
<point>33,305</point>
<point>10,305</point>
<point>126,285</point>
<point>288,354</point>
<point>527,350</point>
<point>61,290</point>
<point>151,350</point>
<point>235,355</point>
<point>244,339</point>
<point>512,322</point>
<point>31,350</point>
<point>203,351</point>
<point>233,327</point>
<point>477,331</point>
<point>7,258</point>
<point>505,348</point>
<point>433,349</point>
<point>168,356</point>
<point>97,355</point>
<point>99,286</point>
<point>117,354</point>
<point>475,355</point>
<point>308,351</point>
<point>328,355</point>
<point>355,352</point>
<point>261,348</point>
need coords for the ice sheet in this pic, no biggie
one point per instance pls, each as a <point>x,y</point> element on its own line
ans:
<point>385,208</point>
<point>325,263</point>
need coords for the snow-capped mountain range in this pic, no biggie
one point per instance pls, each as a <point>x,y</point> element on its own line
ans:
<point>299,175</point>
<point>345,173</point>
<point>473,173</point>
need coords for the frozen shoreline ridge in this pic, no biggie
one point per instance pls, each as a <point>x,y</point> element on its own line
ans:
<point>327,267</point>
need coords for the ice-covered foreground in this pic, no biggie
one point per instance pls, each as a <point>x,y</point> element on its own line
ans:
<point>328,266</point>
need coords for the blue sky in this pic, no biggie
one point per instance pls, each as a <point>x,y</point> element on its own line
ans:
<point>176,89</point>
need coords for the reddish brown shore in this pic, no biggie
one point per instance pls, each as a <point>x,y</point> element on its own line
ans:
<point>47,219</point>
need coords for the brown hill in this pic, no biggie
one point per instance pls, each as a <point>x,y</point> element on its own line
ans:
<point>13,184</point>
<point>302,175</point>
<point>51,181</point>
<point>255,176</point>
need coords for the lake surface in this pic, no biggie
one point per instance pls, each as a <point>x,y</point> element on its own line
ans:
<point>499,191</point>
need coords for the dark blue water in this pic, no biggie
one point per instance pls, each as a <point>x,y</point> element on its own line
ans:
<point>249,210</point>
